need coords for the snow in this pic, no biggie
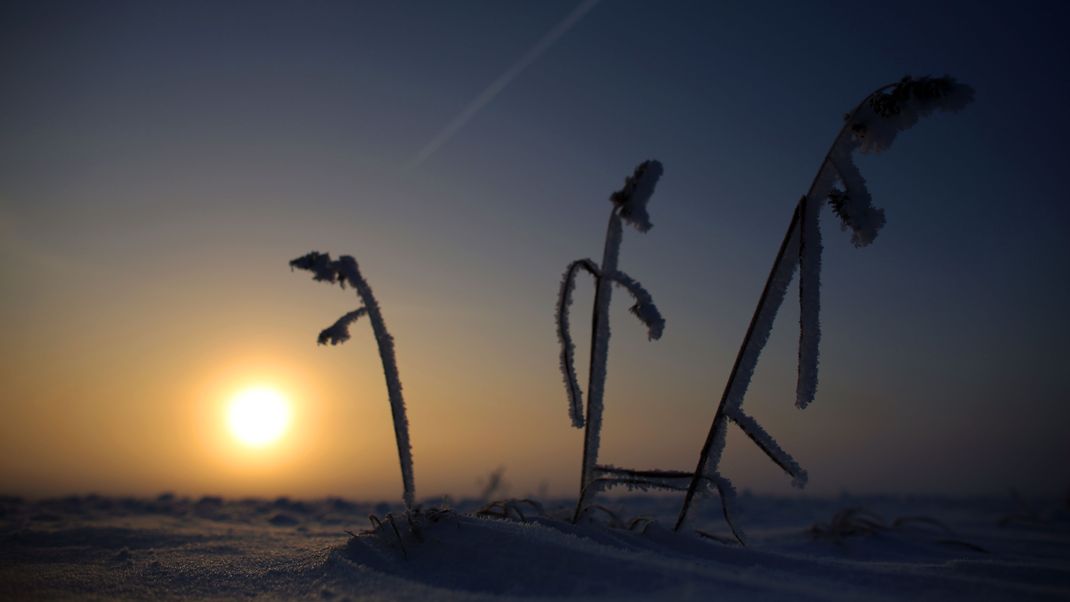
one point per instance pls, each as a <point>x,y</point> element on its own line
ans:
<point>844,548</point>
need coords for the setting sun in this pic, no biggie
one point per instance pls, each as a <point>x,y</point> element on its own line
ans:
<point>258,416</point>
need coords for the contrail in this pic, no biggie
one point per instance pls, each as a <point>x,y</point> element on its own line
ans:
<point>501,82</point>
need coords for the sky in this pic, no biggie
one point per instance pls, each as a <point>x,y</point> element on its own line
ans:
<point>161,162</point>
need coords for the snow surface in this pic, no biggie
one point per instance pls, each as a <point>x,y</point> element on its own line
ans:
<point>945,548</point>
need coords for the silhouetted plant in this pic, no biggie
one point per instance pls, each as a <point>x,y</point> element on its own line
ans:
<point>345,270</point>
<point>870,127</point>
<point>629,205</point>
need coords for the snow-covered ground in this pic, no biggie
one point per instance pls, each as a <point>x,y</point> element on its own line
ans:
<point>895,548</point>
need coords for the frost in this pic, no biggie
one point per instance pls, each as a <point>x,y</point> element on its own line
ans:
<point>644,307</point>
<point>629,205</point>
<point>338,333</point>
<point>870,127</point>
<point>854,205</point>
<point>564,336</point>
<point>345,270</point>
<point>638,188</point>
<point>898,107</point>
<point>809,301</point>
<point>771,448</point>
<point>592,438</point>
<point>765,315</point>
<point>608,477</point>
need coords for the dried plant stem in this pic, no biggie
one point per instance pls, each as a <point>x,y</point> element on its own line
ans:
<point>599,356</point>
<point>719,416</point>
<point>393,384</point>
<point>644,474</point>
<point>346,271</point>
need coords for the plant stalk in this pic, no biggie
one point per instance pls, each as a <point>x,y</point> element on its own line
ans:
<point>393,384</point>
<point>796,216</point>
<point>719,416</point>
<point>596,378</point>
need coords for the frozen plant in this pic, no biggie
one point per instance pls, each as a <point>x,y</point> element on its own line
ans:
<point>345,270</point>
<point>629,205</point>
<point>870,127</point>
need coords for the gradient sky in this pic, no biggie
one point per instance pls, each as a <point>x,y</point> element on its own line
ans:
<point>161,162</point>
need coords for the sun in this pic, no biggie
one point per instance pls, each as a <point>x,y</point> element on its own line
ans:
<point>258,416</point>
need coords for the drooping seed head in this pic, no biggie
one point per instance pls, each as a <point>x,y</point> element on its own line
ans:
<point>320,264</point>
<point>631,200</point>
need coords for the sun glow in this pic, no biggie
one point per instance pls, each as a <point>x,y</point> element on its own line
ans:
<point>258,416</point>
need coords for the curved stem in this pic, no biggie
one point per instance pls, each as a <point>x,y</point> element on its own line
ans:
<point>847,122</point>
<point>567,356</point>
<point>719,415</point>
<point>390,371</point>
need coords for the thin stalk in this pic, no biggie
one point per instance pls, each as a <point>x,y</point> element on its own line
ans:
<point>393,382</point>
<point>719,416</point>
<point>700,470</point>
<point>596,378</point>
<point>727,515</point>
<point>655,474</point>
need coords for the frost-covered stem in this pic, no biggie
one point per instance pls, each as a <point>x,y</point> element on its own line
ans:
<point>810,260</point>
<point>643,474</point>
<point>809,299</point>
<point>599,355</point>
<point>847,123</point>
<point>568,349</point>
<point>719,416</point>
<point>390,370</point>
<point>767,444</point>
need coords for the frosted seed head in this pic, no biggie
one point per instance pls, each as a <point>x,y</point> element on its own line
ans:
<point>320,264</point>
<point>631,200</point>
<point>889,112</point>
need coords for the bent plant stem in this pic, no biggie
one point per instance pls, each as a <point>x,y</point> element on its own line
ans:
<point>796,218</point>
<point>575,395</point>
<point>719,416</point>
<point>599,357</point>
<point>393,387</point>
<point>345,270</point>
